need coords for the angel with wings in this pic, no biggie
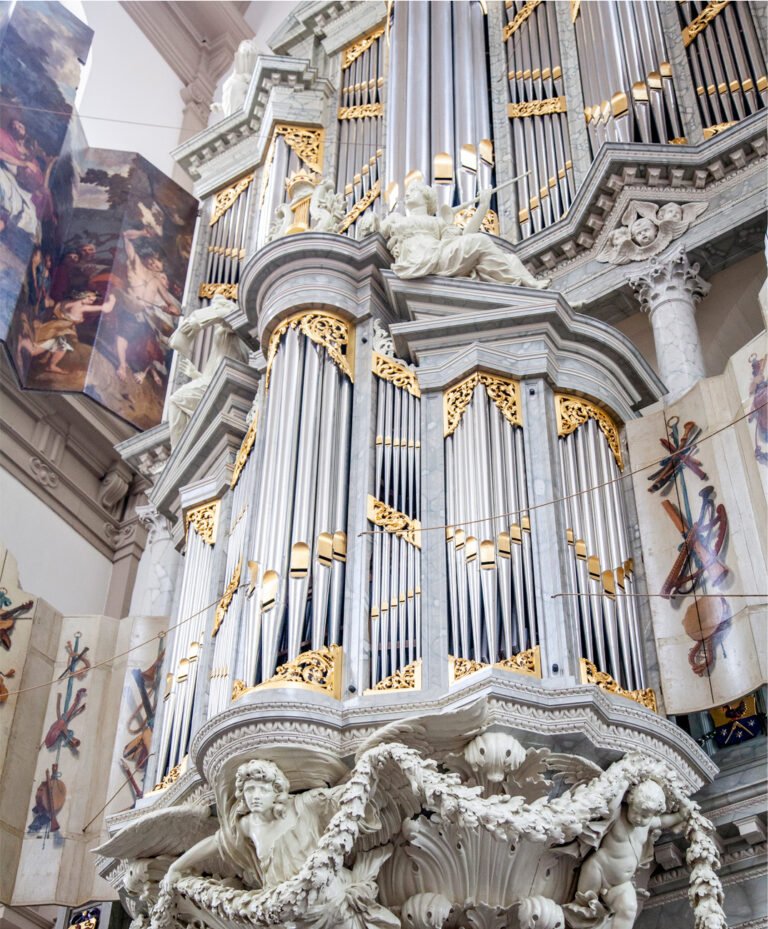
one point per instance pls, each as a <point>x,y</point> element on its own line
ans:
<point>647,229</point>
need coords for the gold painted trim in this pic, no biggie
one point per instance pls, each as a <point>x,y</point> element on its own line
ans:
<point>407,678</point>
<point>575,10</point>
<point>353,51</point>
<point>521,17</point>
<point>208,291</point>
<point>404,527</point>
<point>360,207</point>
<point>305,141</point>
<point>710,131</point>
<point>389,370</point>
<point>527,662</point>
<point>204,519</point>
<point>225,199</point>
<point>591,675</point>
<point>319,671</point>
<point>326,329</point>
<point>537,107</point>
<point>246,447</point>
<point>173,775</point>
<point>463,667</point>
<point>489,224</point>
<point>361,111</point>
<point>226,599</point>
<point>573,412</point>
<point>503,391</point>
<point>701,22</point>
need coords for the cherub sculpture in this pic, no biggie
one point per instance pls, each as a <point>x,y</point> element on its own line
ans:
<point>183,402</point>
<point>606,894</point>
<point>647,229</point>
<point>425,241</point>
<point>326,207</point>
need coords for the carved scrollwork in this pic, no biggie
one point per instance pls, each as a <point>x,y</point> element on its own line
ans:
<point>404,527</point>
<point>503,391</point>
<point>225,199</point>
<point>407,678</point>
<point>243,452</point>
<point>318,670</point>
<point>521,17</point>
<point>226,599</point>
<point>489,224</point>
<point>307,143</point>
<point>527,662</point>
<point>389,370</point>
<point>701,22</point>
<point>462,667</point>
<point>330,332</point>
<point>591,675</point>
<point>360,207</point>
<point>172,776</point>
<point>352,52</point>
<point>361,111</point>
<point>537,107</point>
<point>204,519</point>
<point>208,291</point>
<point>573,412</point>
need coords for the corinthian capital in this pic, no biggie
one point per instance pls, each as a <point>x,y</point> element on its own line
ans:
<point>669,277</point>
<point>154,522</point>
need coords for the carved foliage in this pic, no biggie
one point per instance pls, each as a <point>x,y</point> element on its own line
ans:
<point>591,675</point>
<point>204,519</point>
<point>225,199</point>
<point>521,17</point>
<point>361,206</point>
<point>404,527</point>
<point>330,332</point>
<point>243,452</point>
<point>527,662</point>
<point>307,143</point>
<point>352,52</point>
<point>361,111</point>
<point>208,291</point>
<point>537,107</point>
<point>701,22</point>
<point>407,678</point>
<point>226,599</point>
<point>318,670</point>
<point>503,391</point>
<point>573,412</point>
<point>389,370</point>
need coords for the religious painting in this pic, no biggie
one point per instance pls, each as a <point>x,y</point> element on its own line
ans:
<point>42,50</point>
<point>96,315</point>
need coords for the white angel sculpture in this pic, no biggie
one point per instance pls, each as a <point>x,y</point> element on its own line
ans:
<point>326,207</point>
<point>647,229</point>
<point>425,241</point>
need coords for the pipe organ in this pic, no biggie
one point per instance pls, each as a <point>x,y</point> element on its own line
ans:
<point>726,61</point>
<point>537,113</point>
<point>600,562</point>
<point>490,569</point>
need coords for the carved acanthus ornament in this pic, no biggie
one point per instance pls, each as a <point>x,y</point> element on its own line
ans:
<point>389,370</point>
<point>226,599</point>
<point>172,776</point>
<point>307,143</point>
<point>407,678</point>
<point>334,334</point>
<point>503,391</point>
<point>710,131</point>
<point>246,446</point>
<point>361,206</point>
<point>204,519</point>
<point>361,111</point>
<point>225,199</point>
<point>207,291</point>
<point>393,521</point>
<point>521,17</point>
<point>490,222</point>
<point>701,22</point>
<point>352,52</point>
<point>318,670</point>
<point>463,667</point>
<point>573,412</point>
<point>591,675</point>
<point>537,107</point>
<point>527,662</point>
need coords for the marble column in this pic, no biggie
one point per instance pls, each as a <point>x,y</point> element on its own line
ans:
<point>668,291</point>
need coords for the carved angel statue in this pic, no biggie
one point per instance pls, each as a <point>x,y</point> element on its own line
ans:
<point>183,402</point>
<point>235,88</point>
<point>281,222</point>
<point>647,229</point>
<point>424,242</point>
<point>326,207</point>
<point>385,841</point>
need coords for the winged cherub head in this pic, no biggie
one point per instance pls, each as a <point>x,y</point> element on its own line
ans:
<point>261,788</point>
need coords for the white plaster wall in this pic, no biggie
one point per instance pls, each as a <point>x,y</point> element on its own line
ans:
<point>727,318</point>
<point>55,562</point>
<point>131,97</point>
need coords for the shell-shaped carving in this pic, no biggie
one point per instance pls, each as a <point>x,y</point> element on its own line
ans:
<point>540,913</point>
<point>425,911</point>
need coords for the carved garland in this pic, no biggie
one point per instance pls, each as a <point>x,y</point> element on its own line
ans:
<point>244,452</point>
<point>361,111</point>
<point>537,107</point>
<point>330,332</point>
<point>207,291</point>
<point>407,678</point>
<point>352,52</point>
<point>503,391</point>
<point>395,522</point>
<point>318,670</point>
<point>521,17</point>
<point>591,675</point>
<point>573,412</point>
<point>463,667</point>
<point>360,207</point>
<point>225,199</point>
<point>226,599</point>
<point>701,22</point>
<point>204,519</point>
<point>173,775</point>
<point>389,370</point>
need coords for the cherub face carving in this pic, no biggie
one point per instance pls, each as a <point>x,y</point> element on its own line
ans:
<point>643,231</point>
<point>670,212</point>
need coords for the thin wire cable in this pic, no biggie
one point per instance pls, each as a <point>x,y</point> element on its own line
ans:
<point>578,493</point>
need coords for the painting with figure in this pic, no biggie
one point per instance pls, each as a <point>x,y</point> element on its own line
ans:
<point>95,315</point>
<point>42,49</point>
